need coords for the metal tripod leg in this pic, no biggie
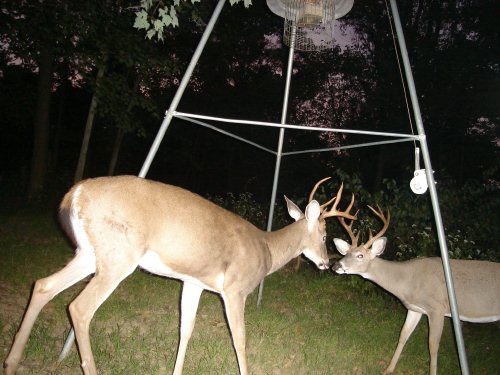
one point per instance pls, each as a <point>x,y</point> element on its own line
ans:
<point>433,193</point>
<point>280,147</point>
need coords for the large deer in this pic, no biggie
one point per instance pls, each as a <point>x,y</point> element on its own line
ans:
<point>420,285</point>
<point>121,223</point>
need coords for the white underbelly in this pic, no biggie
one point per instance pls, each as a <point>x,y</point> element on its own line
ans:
<point>482,319</point>
<point>151,262</point>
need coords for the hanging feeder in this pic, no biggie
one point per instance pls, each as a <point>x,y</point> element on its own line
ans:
<point>311,22</point>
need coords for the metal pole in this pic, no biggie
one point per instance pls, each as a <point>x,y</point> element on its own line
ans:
<point>185,115</point>
<point>180,91</point>
<point>163,128</point>
<point>67,345</point>
<point>280,146</point>
<point>433,193</point>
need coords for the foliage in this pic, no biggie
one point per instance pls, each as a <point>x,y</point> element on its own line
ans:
<point>240,76</point>
<point>154,16</point>
<point>120,104</point>
<point>470,215</point>
<point>79,38</point>
<point>244,205</point>
<point>451,49</point>
<point>470,233</point>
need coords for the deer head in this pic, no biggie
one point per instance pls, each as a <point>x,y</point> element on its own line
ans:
<point>314,217</point>
<point>357,258</point>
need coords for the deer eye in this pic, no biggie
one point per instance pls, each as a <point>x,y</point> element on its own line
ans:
<point>324,238</point>
<point>359,256</point>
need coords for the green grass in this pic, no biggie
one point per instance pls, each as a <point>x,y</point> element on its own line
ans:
<point>309,322</point>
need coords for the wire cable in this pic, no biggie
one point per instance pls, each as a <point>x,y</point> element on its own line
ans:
<point>400,71</point>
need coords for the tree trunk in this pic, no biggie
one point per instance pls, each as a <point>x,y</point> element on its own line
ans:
<point>61,107</point>
<point>121,132</point>
<point>379,174</point>
<point>41,123</point>
<point>116,151</point>
<point>88,126</point>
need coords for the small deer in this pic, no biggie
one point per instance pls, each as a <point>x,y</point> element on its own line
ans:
<point>420,285</point>
<point>121,223</point>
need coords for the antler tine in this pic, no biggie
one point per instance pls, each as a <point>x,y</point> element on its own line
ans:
<point>348,228</point>
<point>350,204</point>
<point>384,219</point>
<point>316,187</point>
<point>324,205</point>
<point>337,198</point>
<point>334,212</point>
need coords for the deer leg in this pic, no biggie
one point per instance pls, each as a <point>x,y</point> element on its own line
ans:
<point>82,265</point>
<point>235,313</point>
<point>436,322</point>
<point>412,319</point>
<point>189,305</point>
<point>83,308</point>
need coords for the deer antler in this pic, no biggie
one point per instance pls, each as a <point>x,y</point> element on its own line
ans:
<point>316,187</point>
<point>348,228</point>
<point>333,211</point>
<point>384,219</point>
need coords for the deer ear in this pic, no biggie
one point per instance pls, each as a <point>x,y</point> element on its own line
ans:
<point>378,246</point>
<point>313,211</point>
<point>341,245</point>
<point>293,210</point>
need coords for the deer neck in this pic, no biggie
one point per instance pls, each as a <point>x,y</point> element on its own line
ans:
<point>392,276</point>
<point>284,244</point>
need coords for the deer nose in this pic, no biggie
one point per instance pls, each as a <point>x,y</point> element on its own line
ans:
<point>336,267</point>
<point>324,265</point>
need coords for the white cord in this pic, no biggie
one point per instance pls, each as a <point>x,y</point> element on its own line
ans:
<point>400,72</point>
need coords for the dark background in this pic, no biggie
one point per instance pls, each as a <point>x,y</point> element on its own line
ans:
<point>453,48</point>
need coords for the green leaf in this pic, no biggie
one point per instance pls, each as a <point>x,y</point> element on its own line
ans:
<point>150,33</point>
<point>158,25</point>
<point>247,3</point>
<point>141,20</point>
<point>165,16</point>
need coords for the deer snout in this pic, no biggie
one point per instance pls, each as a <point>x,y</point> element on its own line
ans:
<point>337,267</point>
<point>320,260</point>
<point>324,265</point>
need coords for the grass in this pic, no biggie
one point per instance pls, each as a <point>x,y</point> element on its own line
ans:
<point>309,322</point>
